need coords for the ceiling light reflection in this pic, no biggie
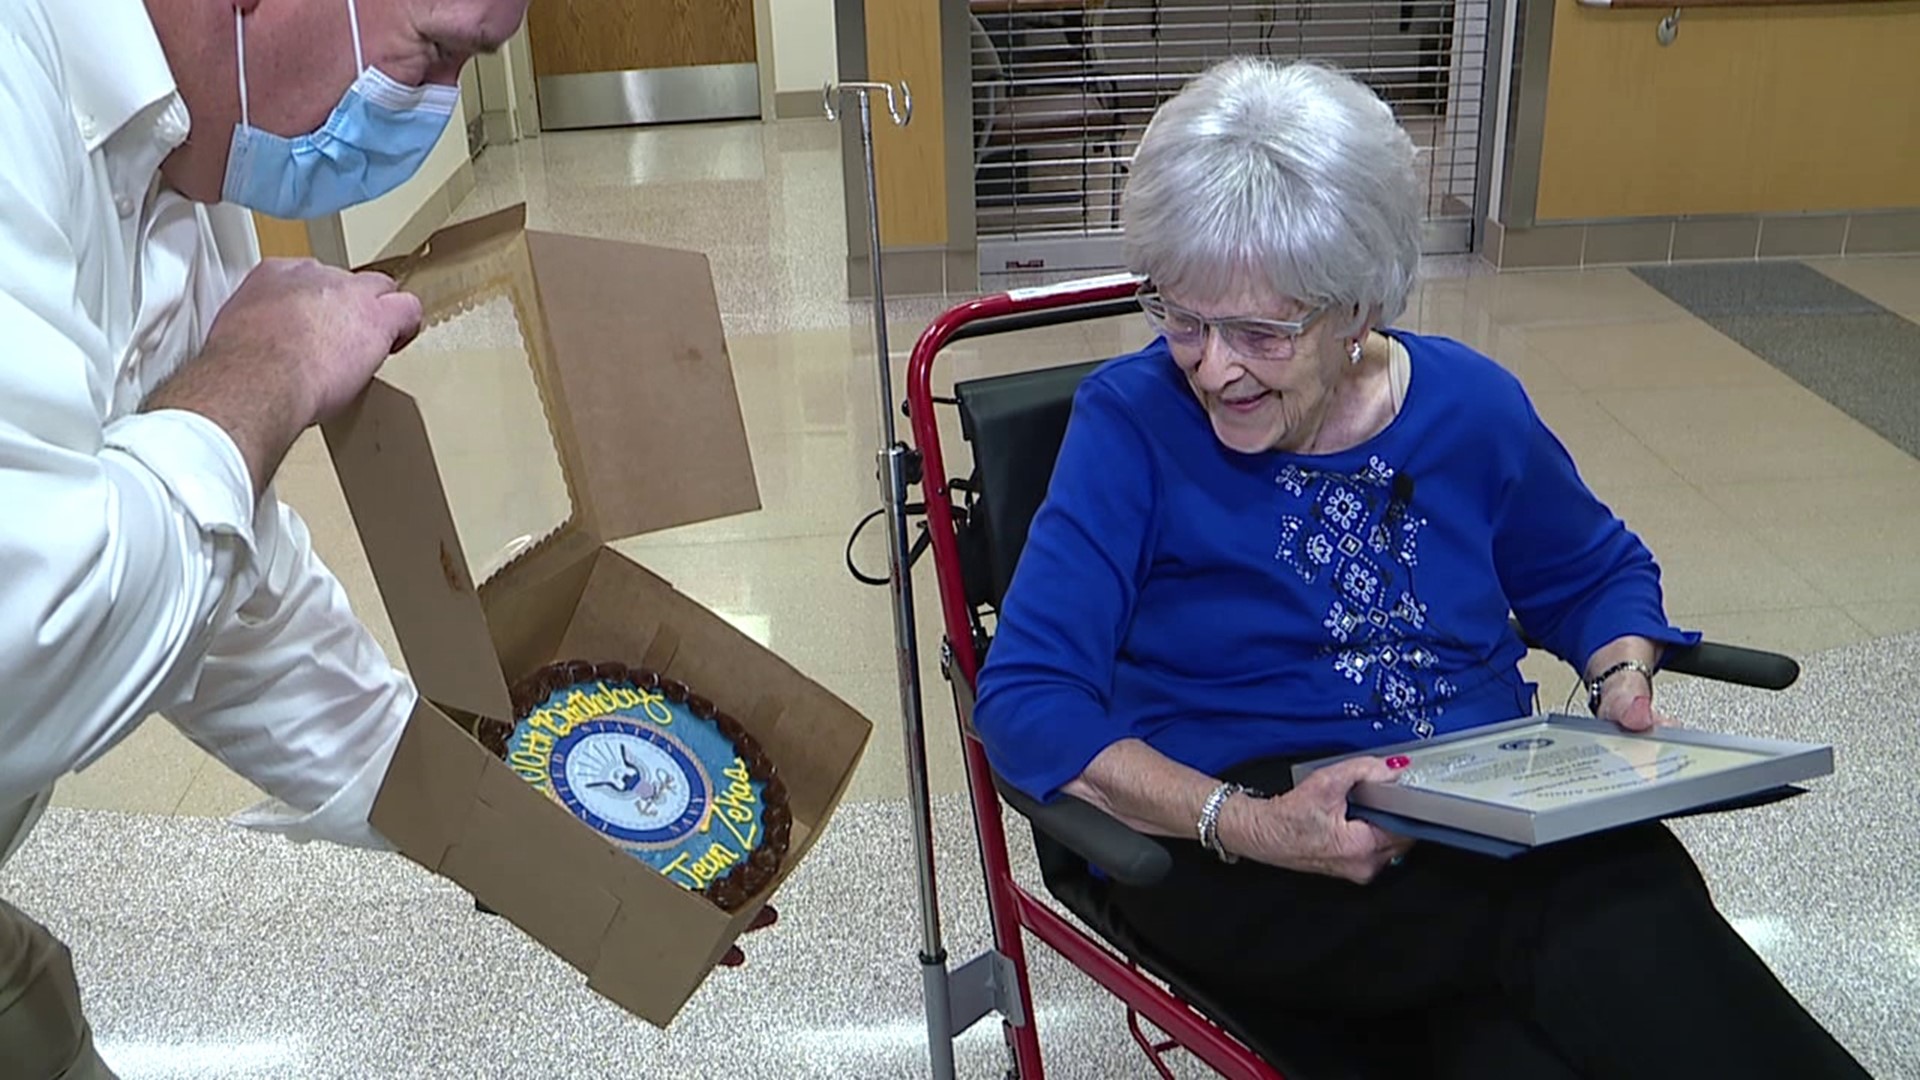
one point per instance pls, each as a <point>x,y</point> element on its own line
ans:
<point>1763,933</point>
<point>756,626</point>
<point>198,1059</point>
<point>911,1035</point>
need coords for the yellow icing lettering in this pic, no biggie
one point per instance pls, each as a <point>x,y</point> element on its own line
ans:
<point>718,860</point>
<point>706,869</point>
<point>580,706</point>
<point>737,801</point>
<point>528,759</point>
<point>656,706</point>
<point>604,701</point>
<point>679,866</point>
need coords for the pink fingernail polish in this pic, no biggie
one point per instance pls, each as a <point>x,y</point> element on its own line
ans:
<point>1399,761</point>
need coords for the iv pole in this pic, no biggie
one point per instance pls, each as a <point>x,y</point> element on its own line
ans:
<point>955,1000</point>
<point>898,468</point>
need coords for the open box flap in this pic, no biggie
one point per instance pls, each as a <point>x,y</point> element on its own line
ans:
<point>386,467</point>
<point>631,367</point>
<point>641,364</point>
<point>630,358</point>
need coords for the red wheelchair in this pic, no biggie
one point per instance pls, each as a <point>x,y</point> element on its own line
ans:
<point>975,527</point>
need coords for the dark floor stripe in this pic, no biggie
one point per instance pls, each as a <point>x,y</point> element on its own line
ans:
<point>1857,355</point>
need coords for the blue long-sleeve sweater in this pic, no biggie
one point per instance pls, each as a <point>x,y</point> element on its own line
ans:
<point>1227,607</point>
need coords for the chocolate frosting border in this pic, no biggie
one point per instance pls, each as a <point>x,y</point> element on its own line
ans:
<point>731,891</point>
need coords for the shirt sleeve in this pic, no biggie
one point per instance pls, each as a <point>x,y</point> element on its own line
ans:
<point>121,545</point>
<point>141,575</point>
<point>295,694</point>
<point>1044,692</point>
<point>1573,573</point>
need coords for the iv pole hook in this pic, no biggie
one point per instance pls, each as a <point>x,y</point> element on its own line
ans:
<point>901,111</point>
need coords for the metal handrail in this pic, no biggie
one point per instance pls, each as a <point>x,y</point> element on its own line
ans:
<point>1677,4</point>
<point>1669,28</point>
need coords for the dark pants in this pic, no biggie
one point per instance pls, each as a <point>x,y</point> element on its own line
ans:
<point>1597,958</point>
<point>43,1034</point>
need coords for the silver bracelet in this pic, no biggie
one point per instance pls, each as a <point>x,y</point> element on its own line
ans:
<point>1209,826</point>
<point>1593,688</point>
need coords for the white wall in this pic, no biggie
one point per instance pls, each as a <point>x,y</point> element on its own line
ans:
<point>804,56</point>
<point>506,98</point>
<point>371,227</point>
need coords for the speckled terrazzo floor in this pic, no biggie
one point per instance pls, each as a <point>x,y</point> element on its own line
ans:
<point>211,953</point>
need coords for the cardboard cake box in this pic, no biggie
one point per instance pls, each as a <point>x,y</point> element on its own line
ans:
<point>630,366</point>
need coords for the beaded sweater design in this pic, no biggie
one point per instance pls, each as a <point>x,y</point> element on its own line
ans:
<point>1354,539</point>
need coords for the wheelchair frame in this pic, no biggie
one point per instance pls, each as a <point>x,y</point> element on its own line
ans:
<point>1015,911</point>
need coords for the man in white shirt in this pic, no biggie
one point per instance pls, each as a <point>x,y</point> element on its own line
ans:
<point>151,378</point>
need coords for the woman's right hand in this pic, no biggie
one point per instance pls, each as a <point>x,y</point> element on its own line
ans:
<point>1307,829</point>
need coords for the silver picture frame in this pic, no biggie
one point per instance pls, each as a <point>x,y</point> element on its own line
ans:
<point>1542,779</point>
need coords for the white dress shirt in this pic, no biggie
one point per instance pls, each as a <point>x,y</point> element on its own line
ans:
<point>140,575</point>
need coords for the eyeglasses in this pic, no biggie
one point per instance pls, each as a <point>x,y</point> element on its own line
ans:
<point>1256,339</point>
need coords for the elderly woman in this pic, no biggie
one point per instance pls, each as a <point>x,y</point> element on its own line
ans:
<point>1281,531</point>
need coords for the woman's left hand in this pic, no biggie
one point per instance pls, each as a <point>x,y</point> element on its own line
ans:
<point>764,918</point>
<point>1630,705</point>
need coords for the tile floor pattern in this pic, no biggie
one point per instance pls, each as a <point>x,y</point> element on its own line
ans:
<point>1780,521</point>
<point>1830,339</point>
<point>212,954</point>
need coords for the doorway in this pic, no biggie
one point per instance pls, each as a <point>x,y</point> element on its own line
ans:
<point>605,63</point>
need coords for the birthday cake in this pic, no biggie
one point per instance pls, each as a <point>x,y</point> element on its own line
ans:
<point>654,768</point>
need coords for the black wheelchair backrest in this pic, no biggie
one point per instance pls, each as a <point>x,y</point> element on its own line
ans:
<point>1015,424</point>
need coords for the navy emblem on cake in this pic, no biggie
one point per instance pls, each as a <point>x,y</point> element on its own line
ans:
<point>655,769</point>
<point>633,782</point>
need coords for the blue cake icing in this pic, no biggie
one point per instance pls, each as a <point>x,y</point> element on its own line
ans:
<point>657,771</point>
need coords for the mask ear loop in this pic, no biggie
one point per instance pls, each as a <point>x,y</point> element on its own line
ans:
<point>353,20</point>
<point>240,55</point>
<point>240,52</point>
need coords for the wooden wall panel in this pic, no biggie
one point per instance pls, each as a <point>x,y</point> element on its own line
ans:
<point>572,37</point>
<point>903,42</point>
<point>285,239</point>
<point>1750,110</point>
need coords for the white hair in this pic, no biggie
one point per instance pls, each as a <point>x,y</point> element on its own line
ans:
<point>1295,178</point>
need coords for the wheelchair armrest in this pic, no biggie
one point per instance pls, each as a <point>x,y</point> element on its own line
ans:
<point>1723,663</point>
<point>1734,664</point>
<point>1126,856</point>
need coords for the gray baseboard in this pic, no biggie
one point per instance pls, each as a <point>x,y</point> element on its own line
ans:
<point>1654,241</point>
<point>650,96</point>
<point>928,271</point>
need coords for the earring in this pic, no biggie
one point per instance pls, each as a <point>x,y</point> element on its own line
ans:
<point>1353,352</point>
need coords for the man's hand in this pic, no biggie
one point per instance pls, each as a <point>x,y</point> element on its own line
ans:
<point>1308,830</point>
<point>295,343</point>
<point>324,330</point>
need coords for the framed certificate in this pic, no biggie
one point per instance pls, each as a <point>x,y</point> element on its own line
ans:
<point>1538,780</point>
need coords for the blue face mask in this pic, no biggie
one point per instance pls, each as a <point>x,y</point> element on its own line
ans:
<point>373,142</point>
